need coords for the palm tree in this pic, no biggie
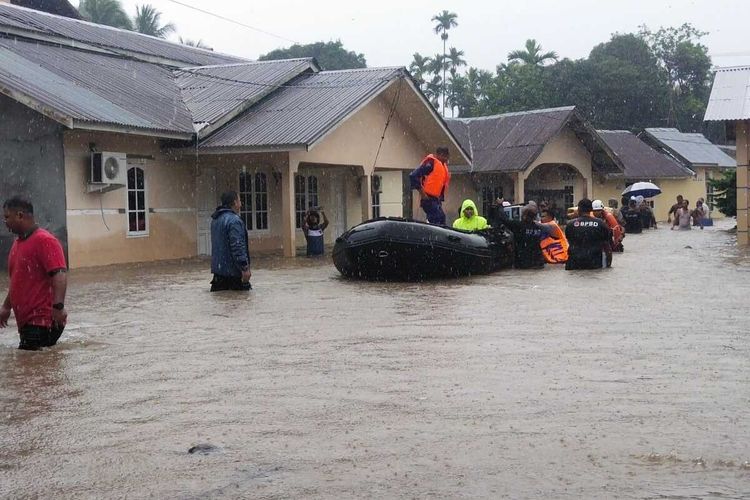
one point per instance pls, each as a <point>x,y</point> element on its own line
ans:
<point>109,12</point>
<point>418,67</point>
<point>192,43</point>
<point>445,21</point>
<point>532,54</point>
<point>456,60</point>
<point>146,21</point>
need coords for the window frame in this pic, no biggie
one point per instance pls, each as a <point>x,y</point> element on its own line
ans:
<point>306,196</point>
<point>146,231</point>
<point>250,209</point>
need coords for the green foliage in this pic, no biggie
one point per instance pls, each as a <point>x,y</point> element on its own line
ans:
<point>330,55</point>
<point>108,12</point>
<point>532,54</point>
<point>147,20</point>
<point>725,193</point>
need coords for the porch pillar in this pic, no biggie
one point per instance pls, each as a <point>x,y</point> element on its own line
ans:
<point>589,187</point>
<point>743,182</point>
<point>366,198</point>
<point>519,195</point>
<point>289,241</point>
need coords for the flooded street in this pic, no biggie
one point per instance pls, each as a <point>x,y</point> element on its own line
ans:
<point>626,383</point>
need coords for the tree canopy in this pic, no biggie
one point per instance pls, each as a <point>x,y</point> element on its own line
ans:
<point>108,12</point>
<point>147,21</point>
<point>330,55</point>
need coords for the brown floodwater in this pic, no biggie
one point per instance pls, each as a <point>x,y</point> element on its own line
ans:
<point>633,382</point>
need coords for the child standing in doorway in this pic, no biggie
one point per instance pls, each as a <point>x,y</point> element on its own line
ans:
<point>313,229</point>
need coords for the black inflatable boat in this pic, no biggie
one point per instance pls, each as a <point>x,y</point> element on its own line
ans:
<point>395,249</point>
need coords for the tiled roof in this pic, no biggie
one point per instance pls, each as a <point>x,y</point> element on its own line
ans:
<point>640,161</point>
<point>691,148</point>
<point>93,88</point>
<point>304,110</point>
<point>730,95</point>
<point>212,92</point>
<point>43,26</point>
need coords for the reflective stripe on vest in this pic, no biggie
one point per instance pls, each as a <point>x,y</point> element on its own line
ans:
<point>554,251</point>
<point>437,180</point>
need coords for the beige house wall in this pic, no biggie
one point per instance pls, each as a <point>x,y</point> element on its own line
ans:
<point>97,223</point>
<point>743,197</point>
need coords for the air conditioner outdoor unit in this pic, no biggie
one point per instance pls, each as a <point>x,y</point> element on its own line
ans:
<point>108,171</point>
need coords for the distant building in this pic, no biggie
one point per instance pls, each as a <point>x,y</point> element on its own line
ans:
<point>545,154</point>
<point>730,103</point>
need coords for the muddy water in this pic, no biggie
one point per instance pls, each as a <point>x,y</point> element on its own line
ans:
<point>627,383</point>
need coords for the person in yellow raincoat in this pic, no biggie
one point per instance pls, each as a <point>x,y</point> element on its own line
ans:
<point>470,219</point>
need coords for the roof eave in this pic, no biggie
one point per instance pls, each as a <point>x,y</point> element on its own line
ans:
<point>37,106</point>
<point>266,148</point>
<point>124,129</point>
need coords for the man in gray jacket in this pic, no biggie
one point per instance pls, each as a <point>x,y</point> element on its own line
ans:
<point>230,258</point>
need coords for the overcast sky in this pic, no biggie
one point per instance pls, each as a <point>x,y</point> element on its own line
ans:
<point>388,32</point>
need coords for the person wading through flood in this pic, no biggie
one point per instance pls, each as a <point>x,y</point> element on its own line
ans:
<point>673,209</point>
<point>36,265</point>
<point>431,179</point>
<point>633,219</point>
<point>230,256</point>
<point>618,232</point>
<point>527,235</point>
<point>590,240</point>
<point>555,246</point>
<point>313,229</point>
<point>470,219</point>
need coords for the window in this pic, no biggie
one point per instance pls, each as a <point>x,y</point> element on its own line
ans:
<point>254,197</point>
<point>568,198</point>
<point>489,195</point>
<point>136,212</point>
<point>377,185</point>
<point>305,196</point>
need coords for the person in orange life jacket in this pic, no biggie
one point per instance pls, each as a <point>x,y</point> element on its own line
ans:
<point>590,240</point>
<point>431,179</point>
<point>36,292</point>
<point>618,232</point>
<point>313,230</point>
<point>527,234</point>
<point>555,246</point>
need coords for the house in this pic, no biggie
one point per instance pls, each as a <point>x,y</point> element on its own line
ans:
<point>550,154</point>
<point>730,103</point>
<point>695,152</point>
<point>643,163</point>
<point>171,126</point>
<point>58,7</point>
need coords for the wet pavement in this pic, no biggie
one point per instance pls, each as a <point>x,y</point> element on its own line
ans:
<point>625,383</point>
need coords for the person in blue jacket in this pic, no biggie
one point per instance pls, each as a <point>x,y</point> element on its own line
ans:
<point>230,256</point>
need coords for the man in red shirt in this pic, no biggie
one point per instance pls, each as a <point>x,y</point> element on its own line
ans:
<point>36,265</point>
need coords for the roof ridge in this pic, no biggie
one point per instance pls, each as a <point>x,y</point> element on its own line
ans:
<point>356,70</point>
<point>103,26</point>
<point>246,63</point>
<point>513,113</point>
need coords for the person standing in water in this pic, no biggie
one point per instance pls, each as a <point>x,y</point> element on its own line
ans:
<point>313,230</point>
<point>230,255</point>
<point>38,279</point>
<point>590,240</point>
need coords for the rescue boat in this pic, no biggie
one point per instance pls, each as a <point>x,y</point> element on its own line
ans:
<point>396,249</point>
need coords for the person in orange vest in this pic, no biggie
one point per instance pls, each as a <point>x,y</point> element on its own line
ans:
<point>431,179</point>
<point>618,232</point>
<point>555,245</point>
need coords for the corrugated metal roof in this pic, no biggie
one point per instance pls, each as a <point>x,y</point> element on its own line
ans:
<point>211,92</point>
<point>304,110</point>
<point>730,95</point>
<point>35,23</point>
<point>692,148</point>
<point>508,142</point>
<point>93,87</point>
<point>639,160</point>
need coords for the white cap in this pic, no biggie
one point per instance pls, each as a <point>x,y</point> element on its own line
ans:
<point>506,203</point>
<point>597,205</point>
